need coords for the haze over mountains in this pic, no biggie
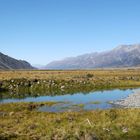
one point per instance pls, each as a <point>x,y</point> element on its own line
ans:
<point>121,56</point>
<point>7,62</point>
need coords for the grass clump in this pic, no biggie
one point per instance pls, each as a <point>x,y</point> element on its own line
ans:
<point>17,121</point>
<point>95,102</point>
<point>36,83</point>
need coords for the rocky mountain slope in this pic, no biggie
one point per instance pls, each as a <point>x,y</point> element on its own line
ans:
<point>121,56</point>
<point>7,62</point>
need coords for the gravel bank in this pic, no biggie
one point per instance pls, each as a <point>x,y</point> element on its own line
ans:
<point>133,100</point>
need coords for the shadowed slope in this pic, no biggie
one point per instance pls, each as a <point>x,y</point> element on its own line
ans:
<point>7,62</point>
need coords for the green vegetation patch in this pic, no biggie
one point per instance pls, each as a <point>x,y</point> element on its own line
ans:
<point>95,102</point>
<point>21,84</point>
<point>20,121</point>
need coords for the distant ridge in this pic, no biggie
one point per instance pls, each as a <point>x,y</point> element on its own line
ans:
<point>7,62</point>
<point>121,56</point>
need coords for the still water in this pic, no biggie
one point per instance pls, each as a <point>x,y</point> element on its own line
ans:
<point>77,101</point>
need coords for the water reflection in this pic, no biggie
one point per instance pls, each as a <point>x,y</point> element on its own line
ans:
<point>77,101</point>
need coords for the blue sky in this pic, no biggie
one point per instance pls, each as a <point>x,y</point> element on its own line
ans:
<point>41,31</point>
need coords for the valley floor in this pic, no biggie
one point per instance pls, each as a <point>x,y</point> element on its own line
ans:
<point>23,120</point>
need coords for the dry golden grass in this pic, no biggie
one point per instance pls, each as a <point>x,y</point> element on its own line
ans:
<point>18,122</point>
<point>68,74</point>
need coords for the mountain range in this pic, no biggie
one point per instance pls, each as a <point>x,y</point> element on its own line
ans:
<point>121,56</point>
<point>7,62</point>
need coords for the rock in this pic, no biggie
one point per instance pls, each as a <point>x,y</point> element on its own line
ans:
<point>70,118</point>
<point>58,120</point>
<point>53,84</point>
<point>11,113</point>
<point>12,81</point>
<point>10,87</point>
<point>0,84</point>
<point>3,113</point>
<point>62,87</point>
<point>41,104</point>
<point>31,107</point>
<point>90,137</point>
<point>33,126</point>
<point>26,84</point>
<point>106,129</point>
<point>35,80</point>
<point>125,130</point>
<point>17,121</point>
<point>82,138</point>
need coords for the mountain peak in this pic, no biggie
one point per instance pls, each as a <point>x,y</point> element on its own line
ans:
<point>121,56</point>
<point>127,47</point>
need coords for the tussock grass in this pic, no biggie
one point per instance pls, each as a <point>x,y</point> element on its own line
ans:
<point>63,82</point>
<point>70,74</point>
<point>18,122</point>
<point>23,121</point>
<point>95,102</point>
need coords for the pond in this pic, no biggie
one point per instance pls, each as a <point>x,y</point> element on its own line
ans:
<point>77,101</point>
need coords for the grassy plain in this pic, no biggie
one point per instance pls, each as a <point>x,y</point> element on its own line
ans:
<point>61,82</point>
<point>23,121</point>
<point>68,74</point>
<point>19,121</point>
